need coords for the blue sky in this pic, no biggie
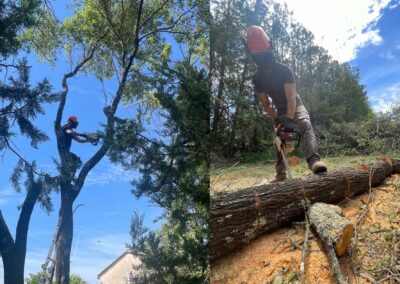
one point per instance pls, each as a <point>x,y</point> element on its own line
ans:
<point>101,224</point>
<point>380,63</point>
<point>363,33</point>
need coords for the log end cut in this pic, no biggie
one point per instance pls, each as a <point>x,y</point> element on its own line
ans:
<point>331,226</point>
<point>344,239</point>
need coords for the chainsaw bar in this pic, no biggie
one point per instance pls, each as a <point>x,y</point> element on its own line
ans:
<point>280,146</point>
<point>92,137</point>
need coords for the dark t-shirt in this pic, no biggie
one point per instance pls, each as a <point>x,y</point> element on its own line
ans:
<point>67,136</point>
<point>272,84</point>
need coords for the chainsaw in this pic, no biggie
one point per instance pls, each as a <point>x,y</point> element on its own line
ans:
<point>92,137</point>
<point>286,142</point>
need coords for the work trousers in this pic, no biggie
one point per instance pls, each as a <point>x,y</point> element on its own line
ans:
<point>303,125</point>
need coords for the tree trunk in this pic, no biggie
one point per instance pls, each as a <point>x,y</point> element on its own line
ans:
<point>217,110</point>
<point>218,106</point>
<point>64,244</point>
<point>239,216</point>
<point>13,264</point>
<point>13,253</point>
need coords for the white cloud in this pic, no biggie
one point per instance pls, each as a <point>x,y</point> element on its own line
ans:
<point>394,5</point>
<point>9,196</point>
<point>108,174</point>
<point>5,195</point>
<point>340,26</point>
<point>386,99</point>
<point>103,174</point>
<point>387,55</point>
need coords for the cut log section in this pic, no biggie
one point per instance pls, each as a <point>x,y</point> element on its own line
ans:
<point>239,216</point>
<point>334,231</point>
<point>330,225</point>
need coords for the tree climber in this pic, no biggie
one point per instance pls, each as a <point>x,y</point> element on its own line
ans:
<point>275,81</point>
<point>70,134</point>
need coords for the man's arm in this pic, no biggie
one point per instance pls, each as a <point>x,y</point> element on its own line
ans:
<point>266,105</point>
<point>290,91</point>
<point>76,136</point>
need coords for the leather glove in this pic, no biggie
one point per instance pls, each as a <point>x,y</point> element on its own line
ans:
<point>288,123</point>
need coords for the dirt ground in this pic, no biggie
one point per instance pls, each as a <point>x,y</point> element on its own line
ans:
<point>374,255</point>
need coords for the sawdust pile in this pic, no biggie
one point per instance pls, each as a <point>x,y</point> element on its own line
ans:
<point>374,254</point>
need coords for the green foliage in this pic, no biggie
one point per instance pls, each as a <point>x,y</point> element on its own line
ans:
<point>137,232</point>
<point>21,103</point>
<point>185,161</point>
<point>15,17</point>
<point>378,133</point>
<point>44,182</point>
<point>177,253</point>
<point>34,279</point>
<point>45,37</point>
<point>175,176</point>
<point>76,279</point>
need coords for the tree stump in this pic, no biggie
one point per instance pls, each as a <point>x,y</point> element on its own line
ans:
<point>329,223</point>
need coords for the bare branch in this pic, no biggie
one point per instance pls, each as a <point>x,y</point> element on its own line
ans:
<point>169,28</point>
<point>154,13</point>
<point>88,56</point>
<point>76,208</point>
<point>9,65</point>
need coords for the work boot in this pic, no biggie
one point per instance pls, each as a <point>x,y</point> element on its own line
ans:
<point>318,167</point>
<point>279,177</point>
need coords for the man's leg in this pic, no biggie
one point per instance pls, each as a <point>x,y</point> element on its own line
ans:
<point>76,160</point>
<point>310,146</point>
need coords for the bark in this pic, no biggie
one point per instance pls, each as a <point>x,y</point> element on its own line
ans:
<point>13,253</point>
<point>232,146</point>
<point>64,243</point>
<point>239,216</point>
<point>334,231</point>
<point>218,105</point>
<point>329,223</point>
<point>218,101</point>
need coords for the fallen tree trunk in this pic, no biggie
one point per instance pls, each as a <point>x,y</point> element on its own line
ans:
<point>239,216</point>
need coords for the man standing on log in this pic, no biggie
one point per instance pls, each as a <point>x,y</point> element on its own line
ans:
<point>275,81</point>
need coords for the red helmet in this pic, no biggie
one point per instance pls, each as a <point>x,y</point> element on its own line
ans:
<point>72,118</point>
<point>257,40</point>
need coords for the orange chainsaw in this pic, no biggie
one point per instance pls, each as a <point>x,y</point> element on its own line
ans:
<point>286,142</point>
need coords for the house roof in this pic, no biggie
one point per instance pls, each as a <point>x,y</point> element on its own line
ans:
<point>128,251</point>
